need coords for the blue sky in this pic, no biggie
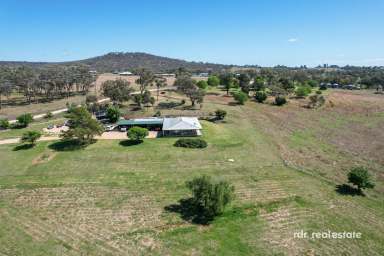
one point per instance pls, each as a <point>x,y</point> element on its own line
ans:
<point>267,33</point>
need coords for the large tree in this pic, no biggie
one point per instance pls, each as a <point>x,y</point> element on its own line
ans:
<point>82,127</point>
<point>117,90</point>
<point>145,80</point>
<point>160,82</point>
<point>188,86</point>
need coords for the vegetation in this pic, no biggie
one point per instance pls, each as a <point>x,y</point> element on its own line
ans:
<point>48,115</point>
<point>4,123</point>
<point>360,177</point>
<point>24,120</point>
<point>30,137</point>
<point>303,91</point>
<point>240,97</point>
<point>187,86</point>
<point>220,114</point>
<point>117,90</point>
<point>213,81</point>
<point>113,114</point>
<point>83,127</point>
<point>137,133</point>
<point>280,100</point>
<point>260,96</point>
<point>202,84</point>
<point>160,82</point>
<point>210,197</point>
<point>191,143</point>
<point>316,101</point>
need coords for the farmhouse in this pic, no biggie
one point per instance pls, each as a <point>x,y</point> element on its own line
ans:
<point>168,126</point>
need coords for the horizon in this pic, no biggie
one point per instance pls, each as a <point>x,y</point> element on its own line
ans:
<point>266,33</point>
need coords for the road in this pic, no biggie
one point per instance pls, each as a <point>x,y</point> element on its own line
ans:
<point>55,112</point>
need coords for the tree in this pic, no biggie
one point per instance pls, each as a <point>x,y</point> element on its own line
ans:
<point>113,114</point>
<point>5,87</point>
<point>210,197</point>
<point>160,82</point>
<point>4,123</point>
<point>82,126</point>
<point>228,81</point>
<point>258,84</point>
<point>187,86</point>
<point>280,100</point>
<point>137,133</point>
<point>117,90</point>
<point>213,81</point>
<point>220,114</point>
<point>244,81</point>
<point>360,177</point>
<point>287,84</point>
<point>146,79</point>
<point>260,96</point>
<point>240,97</point>
<point>24,120</point>
<point>202,84</point>
<point>30,137</point>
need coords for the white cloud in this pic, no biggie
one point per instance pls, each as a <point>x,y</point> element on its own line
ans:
<point>293,40</point>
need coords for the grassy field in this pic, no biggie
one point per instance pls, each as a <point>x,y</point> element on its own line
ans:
<point>112,199</point>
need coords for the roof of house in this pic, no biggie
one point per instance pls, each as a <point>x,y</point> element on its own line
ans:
<point>181,123</point>
<point>143,121</point>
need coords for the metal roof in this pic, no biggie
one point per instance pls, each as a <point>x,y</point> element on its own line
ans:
<point>181,123</point>
<point>143,121</point>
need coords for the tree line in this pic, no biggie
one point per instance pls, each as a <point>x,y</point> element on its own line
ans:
<point>45,83</point>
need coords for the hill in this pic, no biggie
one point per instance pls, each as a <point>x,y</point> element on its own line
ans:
<point>119,61</point>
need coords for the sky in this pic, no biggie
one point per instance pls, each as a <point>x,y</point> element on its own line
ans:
<point>257,32</point>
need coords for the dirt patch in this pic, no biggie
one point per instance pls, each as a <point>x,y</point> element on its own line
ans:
<point>44,157</point>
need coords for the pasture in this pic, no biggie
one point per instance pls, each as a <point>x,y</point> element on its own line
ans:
<point>114,199</point>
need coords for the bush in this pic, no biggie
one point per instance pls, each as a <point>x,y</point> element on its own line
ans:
<point>316,101</point>
<point>303,91</point>
<point>213,81</point>
<point>319,92</point>
<point>24,120</point>
<point>137,133</point>
<point>48,115</point>
<point>220,114</point>
<point>30,137</point>
<point>209,198</point>
<point>240,97</point>
<point>360,177</point>
<point>280,100</point>
<point>260,96</point>
<point>202,84</point>
<point>113,114</point>
<point>191,143</point>
<point>4,123</point>
<point>157,114</point>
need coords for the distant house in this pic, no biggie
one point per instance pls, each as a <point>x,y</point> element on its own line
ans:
<point>126,73</point>
<point>168,126</point>
<point>165,75</point>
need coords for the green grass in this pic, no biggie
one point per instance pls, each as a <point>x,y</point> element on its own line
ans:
<point>110,199</point>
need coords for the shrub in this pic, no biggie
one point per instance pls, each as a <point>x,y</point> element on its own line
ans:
<point>213,81</point>
<point>24,120</point>
<point>4,123</point>
<point>137,133</point>
<point>360,177</point>
<point>202,84</point>
<point>30,137</point>
<point>191,143</point>
<point>157,114</point>
<point>319,92</point>
<point>220,114</point>
<point>303,91</point>
<point>260,96</point>
<point>209,198</point>
<point>48,115</point>
<point>280,100</point>
<point>113,114</point>
<point>240,97</point>
<point>316,101</point>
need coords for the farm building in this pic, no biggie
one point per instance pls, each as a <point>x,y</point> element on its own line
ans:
<point>168,126</point>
